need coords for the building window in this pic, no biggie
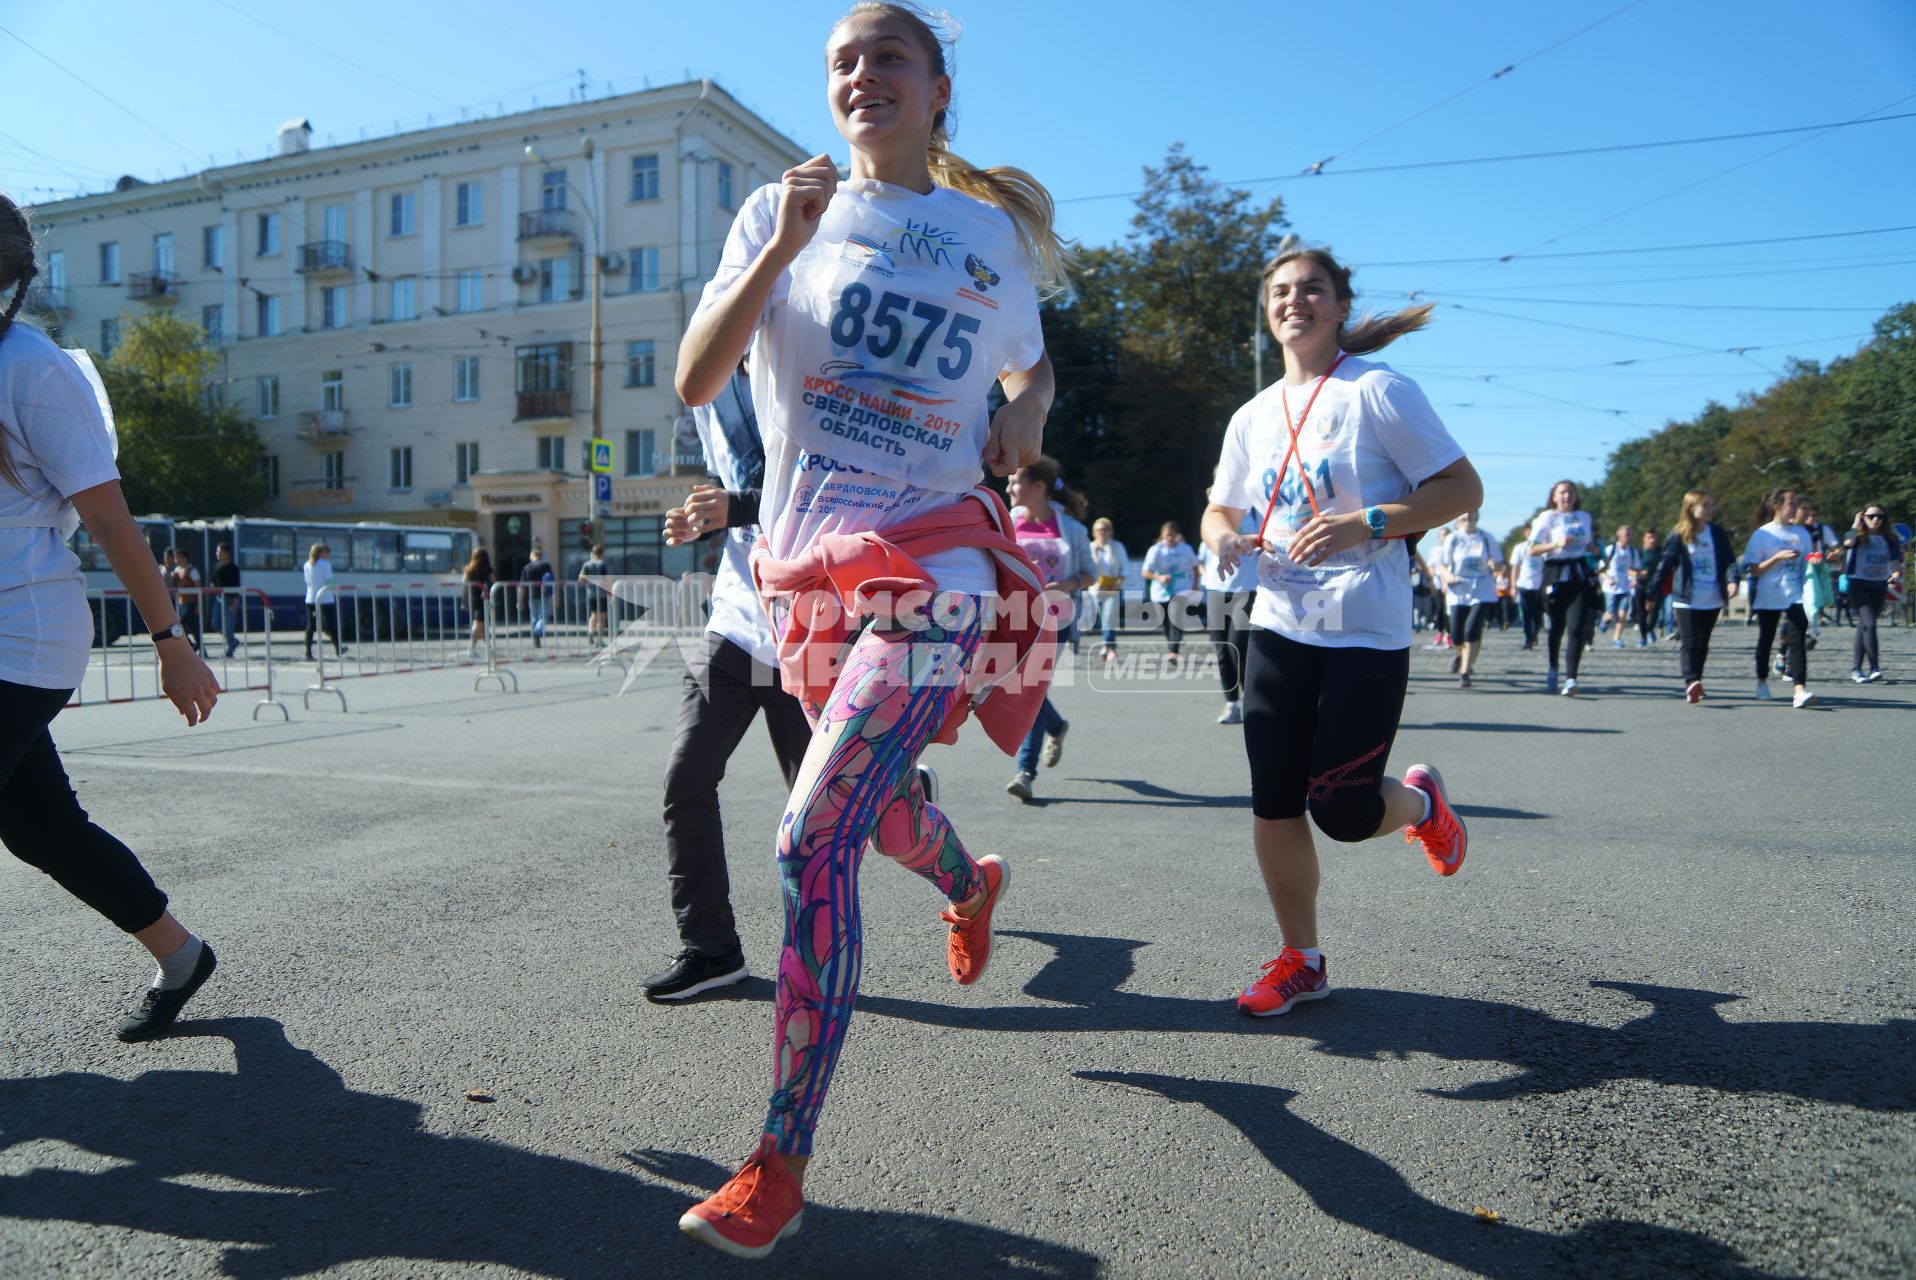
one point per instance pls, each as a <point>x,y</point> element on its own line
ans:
<point>163,252</point>
<point>645,177</point>
<point>399,384</point>
<point>399,471</point>
<point>645,269</point>
<point>333,470</point>
<point>725,185</point>
<point>641,364</point>
<point>465,461</point>
<point>109,336</point>
<point>400,221</point>
<point>269,396</point>
<point>552,453</point>
<point>332,390</point>
<point>332,307</point>
<point>213,246</point>
<point>267,307</point>
<point>469,204</point>
<point>472,291</point>
<point>405,298</point>
<point>639,452</point>
<point>269,473</point>
<point>465,378</point>
<point>57,271</point>
<point>213,321</point>
<point>110,262</point>
<point>268,239</point>
<point>552,189</point>
<point>558,280</point>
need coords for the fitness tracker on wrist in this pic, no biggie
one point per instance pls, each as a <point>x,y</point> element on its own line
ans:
<point>1374,517</point>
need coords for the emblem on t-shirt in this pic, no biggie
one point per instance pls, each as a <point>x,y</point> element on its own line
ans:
<point>927,243</point>
<point>981,274</point>
<point>868,254</point>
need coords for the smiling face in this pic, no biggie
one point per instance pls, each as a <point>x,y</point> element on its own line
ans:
<point>884,83</point>
<point>1302,307</point>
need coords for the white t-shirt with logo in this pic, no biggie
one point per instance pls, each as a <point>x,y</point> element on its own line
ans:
<point>873,359</point>
<point>1574,525</point>
<point>59,434</point>
<point>1529,567</point>
<point>1616,575</point>
<point>1469,557</point>
<point>1872,558</point>
<point>1704,591</point>
<point>1244,577</point>
<point>728,433</point>
<point>1782,586</point>
<point>1371,437</point>
<point>1179,562</point>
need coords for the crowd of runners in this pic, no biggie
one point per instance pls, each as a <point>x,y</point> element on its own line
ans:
<point>874,597</point>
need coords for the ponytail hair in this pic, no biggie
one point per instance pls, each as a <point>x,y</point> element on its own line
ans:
<point>1371,332</point>
<point>17,270</point>
<point>1772,503</point>
<point>1047,473</point>
<point>1022,197</point>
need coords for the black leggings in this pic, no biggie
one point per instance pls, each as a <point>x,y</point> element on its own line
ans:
<point>1693,628</point>
<point>42,823</point>
<point>1318,728</point>
<point>1467,622</point>
<point>1229,620</point>
<point>322,615</point>
<point>1570,612</point>
<point>1795,624</point>
<point>1530,606</point>
<point>1868,599</point>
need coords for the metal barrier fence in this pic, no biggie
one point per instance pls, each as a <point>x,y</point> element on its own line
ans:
<point>125,667</point>
<point>386,630</point>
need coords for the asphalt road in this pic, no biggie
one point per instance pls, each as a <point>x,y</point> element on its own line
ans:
<point>1661,1024</point>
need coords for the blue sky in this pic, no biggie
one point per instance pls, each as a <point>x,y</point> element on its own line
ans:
<point>1523,359</point>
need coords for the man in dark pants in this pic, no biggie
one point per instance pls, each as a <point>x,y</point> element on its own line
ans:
<point>226,576</point>
<point>728,681</point>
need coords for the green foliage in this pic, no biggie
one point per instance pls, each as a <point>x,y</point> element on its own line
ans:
<point>1153,348</point>
<point>178,453</point>
<point>1844,434</point>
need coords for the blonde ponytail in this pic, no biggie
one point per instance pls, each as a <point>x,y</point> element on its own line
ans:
<point>1021,196</point>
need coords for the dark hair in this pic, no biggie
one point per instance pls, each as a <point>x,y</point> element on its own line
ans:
<point>1766,507</point>
<point>1370,332</point>
<point>598,551</point>
<point>481,561</point>
<point>17,270</point>
<point>1047,473</point>
<point>1576,496</point>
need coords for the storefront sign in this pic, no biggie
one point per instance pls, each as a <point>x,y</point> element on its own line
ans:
<point>512,500</point>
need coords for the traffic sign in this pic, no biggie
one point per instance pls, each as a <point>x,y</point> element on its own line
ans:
<point>602,457</point>
<point>601,488</point>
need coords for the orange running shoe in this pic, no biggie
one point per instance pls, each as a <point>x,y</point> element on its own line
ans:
<point>968,948</point>
<point>1284,982</point>
<point>747,1216</point>
<point>1442,834</point>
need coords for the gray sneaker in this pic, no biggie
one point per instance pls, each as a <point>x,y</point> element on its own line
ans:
<point>1054,745</point>
<point>1020,786</point>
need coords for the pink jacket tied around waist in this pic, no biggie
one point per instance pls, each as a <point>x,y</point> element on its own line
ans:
<point>844,577</point>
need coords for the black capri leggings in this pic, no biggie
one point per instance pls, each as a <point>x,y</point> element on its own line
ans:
<point>1467,622</point>
<point>42,823</point>
<point>1572,615</point>
<point>1868,597</point>
<point>1795,624</point>
<point>1228,617</point>
<point>1318,727</point>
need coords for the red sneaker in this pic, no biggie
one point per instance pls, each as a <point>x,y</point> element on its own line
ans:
<point>968,948</point>
<point>1442,834</point>
<point>1284,982</point>
<point>747,1216</point>
<point>1694,691</point>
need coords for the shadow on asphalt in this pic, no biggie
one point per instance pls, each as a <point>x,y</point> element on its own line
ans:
<point>1681,1039</point>
<point>1501,726</point>
<point>1148,793</point>
<point>341,1177</point>
<point>1356,1187</point>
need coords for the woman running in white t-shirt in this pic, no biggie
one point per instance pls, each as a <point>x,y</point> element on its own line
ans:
<point>1562,537</point>
<point>1346,457</point>
<point>1470,563</point>
<point>1775,557</point>
<point>880,312</point>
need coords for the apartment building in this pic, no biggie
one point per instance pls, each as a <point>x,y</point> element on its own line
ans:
<point>409,319</point>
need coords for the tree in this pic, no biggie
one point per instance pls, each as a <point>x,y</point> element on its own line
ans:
<point>182,451</point>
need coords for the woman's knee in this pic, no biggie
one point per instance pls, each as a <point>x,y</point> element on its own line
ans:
<point>1349,819</point>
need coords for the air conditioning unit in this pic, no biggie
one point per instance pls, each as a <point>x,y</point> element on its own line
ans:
<point>614,263</point>
<point>525,273</point>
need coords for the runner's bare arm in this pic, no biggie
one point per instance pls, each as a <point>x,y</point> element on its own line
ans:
<point>1444,496</point>
<point>1017,429</point>
<point>1219,529</point>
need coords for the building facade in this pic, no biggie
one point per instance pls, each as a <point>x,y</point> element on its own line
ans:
<point>409,319</point>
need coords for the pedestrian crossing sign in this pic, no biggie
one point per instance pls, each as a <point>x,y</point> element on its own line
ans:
<point>602,457</point>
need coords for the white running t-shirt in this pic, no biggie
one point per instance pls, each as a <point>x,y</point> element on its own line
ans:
<point>1782,586</point>
<point>1469,556</point>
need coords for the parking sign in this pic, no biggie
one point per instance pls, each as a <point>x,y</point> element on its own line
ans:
<point>602,488</point>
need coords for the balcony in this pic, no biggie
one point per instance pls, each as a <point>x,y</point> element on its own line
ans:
<point>326,257</point>
<point>48,299</point>
<point>543,404</point>
<point>153,286</point>
<point>313,497</point>
<point>549,224</point>
<point>324,425</point>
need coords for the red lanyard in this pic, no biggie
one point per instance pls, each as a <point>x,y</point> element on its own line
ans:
<point>1296,431</point>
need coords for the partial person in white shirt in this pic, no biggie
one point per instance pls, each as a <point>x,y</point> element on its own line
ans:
<point>1563,536</point>
<point>322,598</point>
<point>1229,599</point>
<point>1775,558</point>
<point>1695,569</point>
<point>1470,561</point>
<point>1112,564</point>
<point>1620,563</point>
<point>57,471</point>
<point>1526,581</point>
<point>1170,570</point>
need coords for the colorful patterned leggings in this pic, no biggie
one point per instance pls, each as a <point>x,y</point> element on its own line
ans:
<point>857,784</point>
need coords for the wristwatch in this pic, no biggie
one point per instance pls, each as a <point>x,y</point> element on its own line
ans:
<point>1374,517</point>
<point>174,632</point>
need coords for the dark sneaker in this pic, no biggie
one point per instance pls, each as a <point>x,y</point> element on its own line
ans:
<point>158,1009</point>
<point>691,974</point>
